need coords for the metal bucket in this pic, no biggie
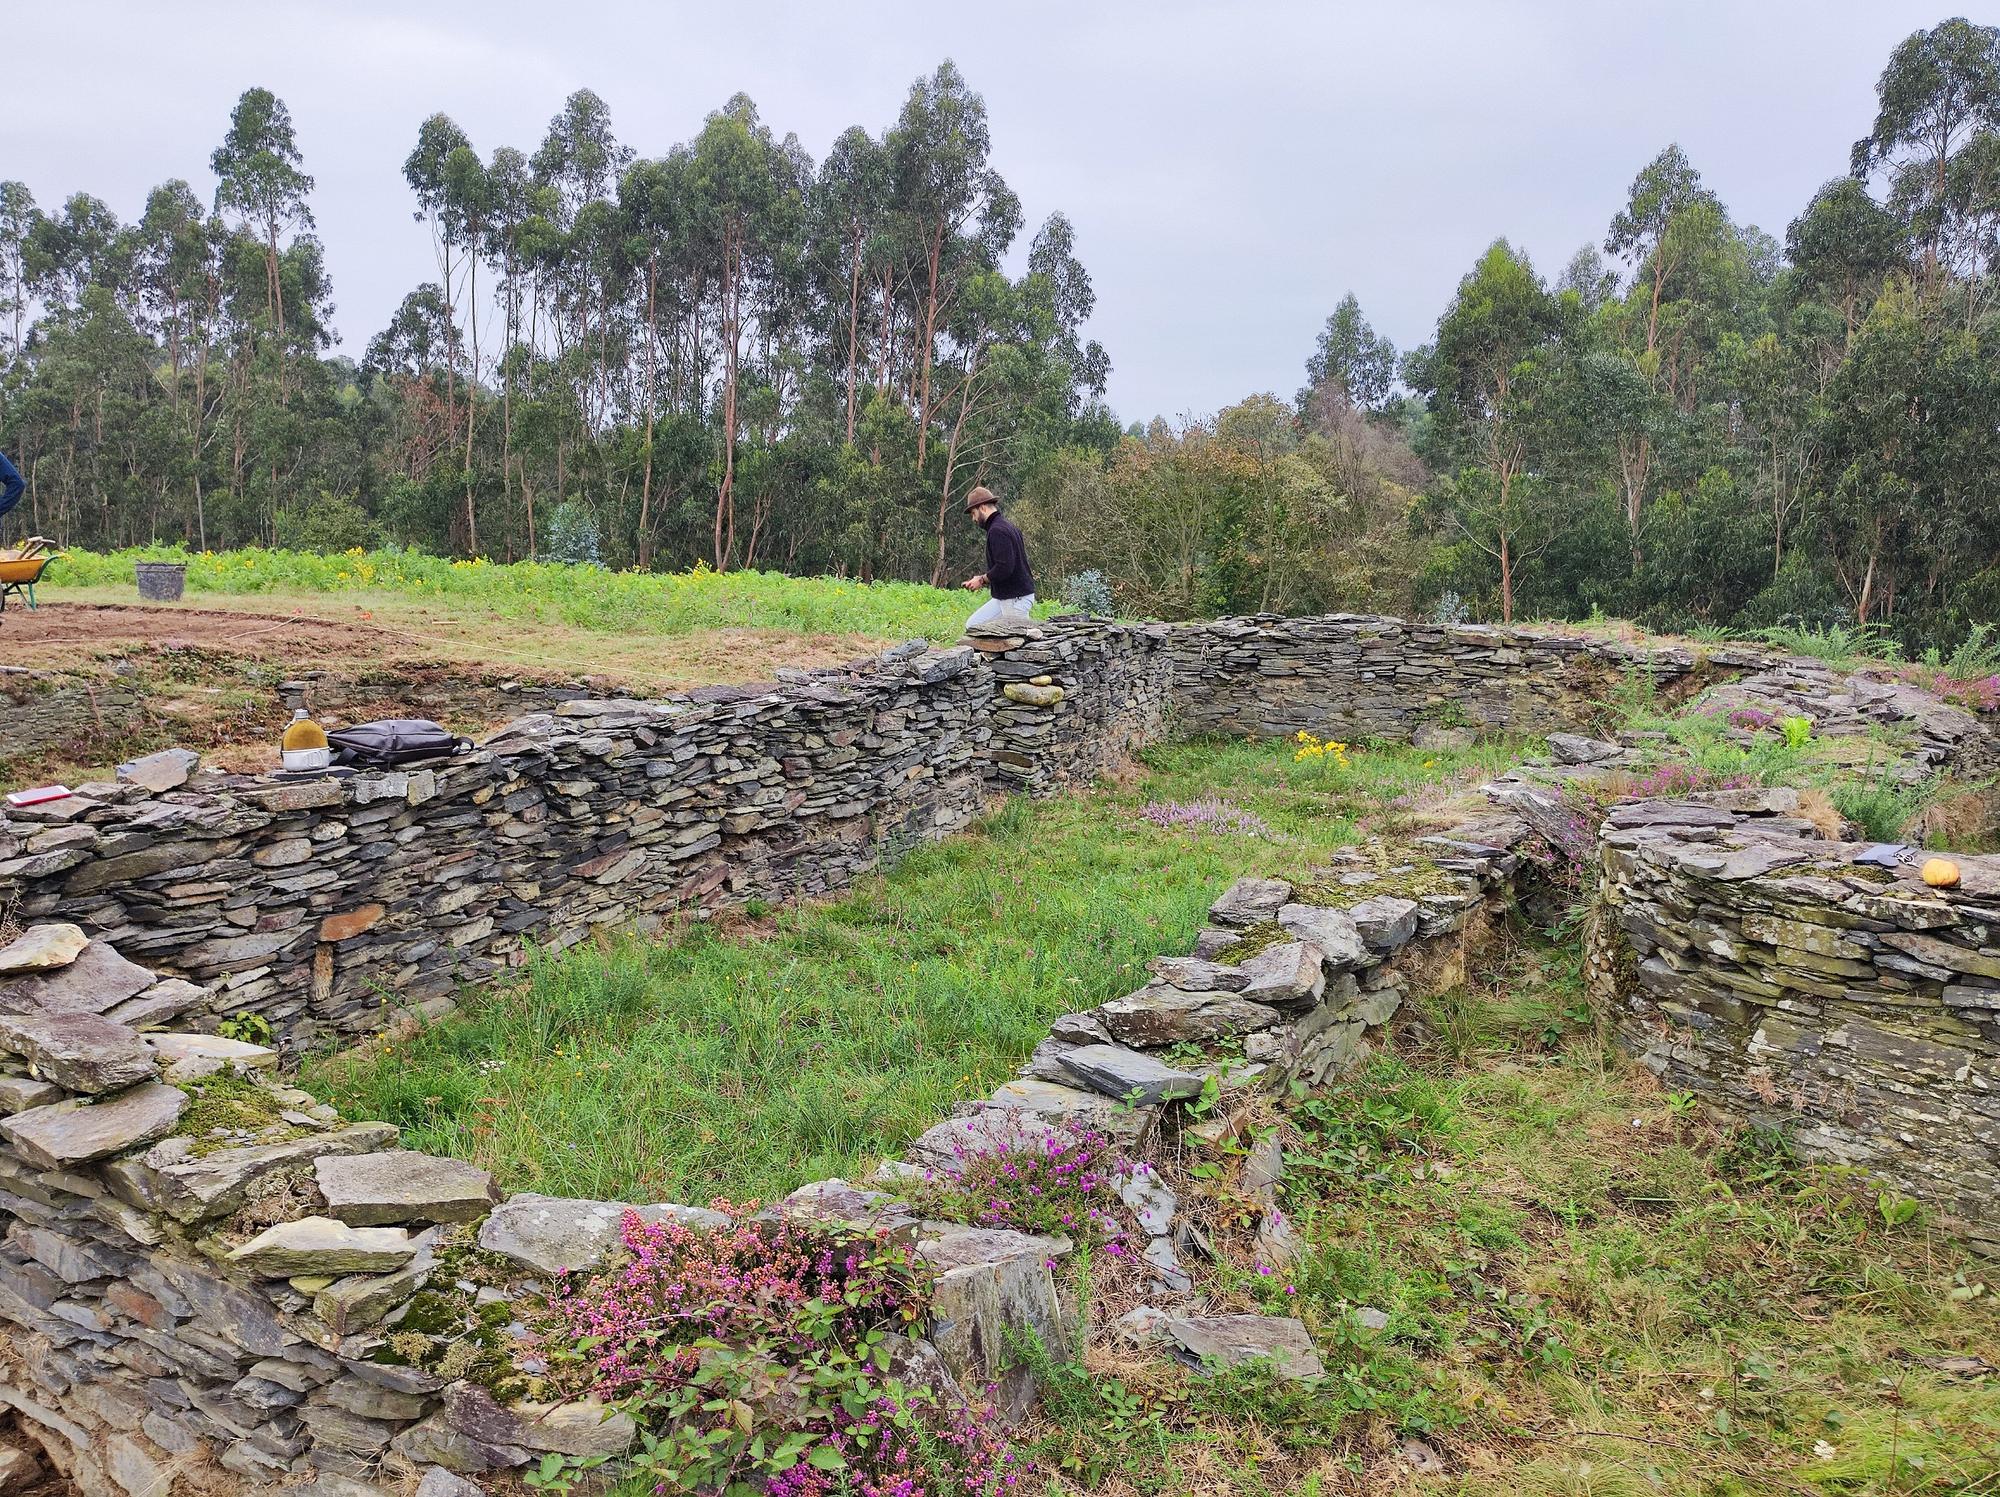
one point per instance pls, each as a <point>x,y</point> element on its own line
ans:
<point>161,581</point>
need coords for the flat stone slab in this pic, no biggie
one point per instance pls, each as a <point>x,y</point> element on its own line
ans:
<point>950,1145</point>
<point>1156,1017</point>
<point>19,1093</point>
<point>97,979</point>
<point>837,1205</point>
<point>367,1190</point>
<point>1235,1339</point>
<point>167,770</point>
<point>321,1245</point>
<point>1250,901</point>
<point>1192,974</point>
<point>159,1004</point>
<point>208,1053</point>
<point>1128,1075</point>
<point>80,1052</point>
<point>554,1234</point>
<point>194,1189</point>
<point>1291,972</point>
<point>42,948</point>
<point>70,1133</point>
<point>1385,921</point>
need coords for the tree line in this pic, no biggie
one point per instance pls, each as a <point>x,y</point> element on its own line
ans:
<point>733,355</point>
<point>727,353</point>
<point>1692,423</point>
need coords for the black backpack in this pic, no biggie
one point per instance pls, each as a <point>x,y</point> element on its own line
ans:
<point>396,740</point>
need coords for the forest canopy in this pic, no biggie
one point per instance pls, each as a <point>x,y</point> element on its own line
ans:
<point>733,354</point>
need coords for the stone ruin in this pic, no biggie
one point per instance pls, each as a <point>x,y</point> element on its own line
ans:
<point>177,1315</point>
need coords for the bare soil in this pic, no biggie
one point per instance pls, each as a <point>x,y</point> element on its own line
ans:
<point>210,674</point>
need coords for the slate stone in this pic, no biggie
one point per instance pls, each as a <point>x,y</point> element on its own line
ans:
<point>191,1189</point>
<point>438,1482</point>
<point>19,1093</point>
<point>321,1245</point>
<point>1250,901</point>
<point>1128,1075</point>
<point>1193,975</point>
<point>366,1190</point>
<point>1233,1340</point>
<point>551,1233</point>
<point>992,1287</point>
<point>581,1428</point>
<point>42,948</point>
<point>1156,1017</point>
<point>184,1054</point>
<point>1332,931</point>
<point>1385,921</point>
<point>167,770</point>
<point>66,1134</point>
<point>1284,975</point>
<point>837,1205</point>
<point>162,1003</point>
<point>98,979</point>
<point>80,1052</point>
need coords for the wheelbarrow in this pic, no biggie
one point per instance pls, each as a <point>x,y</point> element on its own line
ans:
<point>22,568</point>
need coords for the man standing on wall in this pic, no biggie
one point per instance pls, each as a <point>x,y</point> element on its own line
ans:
<point>1006,576</point>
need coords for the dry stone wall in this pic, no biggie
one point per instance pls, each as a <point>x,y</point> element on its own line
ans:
<point>206,1276</point>
<point>320,905</point>
<point>1790,983</point>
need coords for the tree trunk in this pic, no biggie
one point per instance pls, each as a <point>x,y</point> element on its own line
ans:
<point>725,539</point>
<point>652,379</point>
<point>853,333</point>
<point>930,344</point>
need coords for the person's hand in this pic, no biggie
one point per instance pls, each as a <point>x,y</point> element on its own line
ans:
<point>973,584</point>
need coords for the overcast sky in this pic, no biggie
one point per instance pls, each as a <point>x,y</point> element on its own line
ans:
<point>1231,169</point>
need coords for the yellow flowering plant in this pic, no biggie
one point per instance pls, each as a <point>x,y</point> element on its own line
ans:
<point>1322,753</point>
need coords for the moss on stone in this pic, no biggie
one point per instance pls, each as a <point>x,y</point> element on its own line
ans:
<point>229,1103</point>
<point>1251,940</point>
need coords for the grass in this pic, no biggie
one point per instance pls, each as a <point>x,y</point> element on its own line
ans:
<point>749,1057</point>
<point>1591,1291</point>
<point>576,597</point>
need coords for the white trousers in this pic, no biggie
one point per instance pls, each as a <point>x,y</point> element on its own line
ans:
<point>1013,610</point>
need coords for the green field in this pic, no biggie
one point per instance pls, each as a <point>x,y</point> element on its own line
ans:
<point>577,597</point>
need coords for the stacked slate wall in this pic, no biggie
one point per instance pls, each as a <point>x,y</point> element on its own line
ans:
<point>1848,1005</point>
<point>315,903</point>
<point>322,905</point>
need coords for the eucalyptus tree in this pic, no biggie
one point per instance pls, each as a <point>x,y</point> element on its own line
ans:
<point>1845,245</point>
<point>1353,364</point>
<point>849,209</point>
<point>258,177</point>
<point>735,193</point>
<point>17,222</point>
<point>1482,375</point>
<point>1937,99</point>
<point>959,213</point>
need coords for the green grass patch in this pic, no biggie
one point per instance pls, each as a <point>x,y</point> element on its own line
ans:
<point>579,597</point>
<point>746,1062</point>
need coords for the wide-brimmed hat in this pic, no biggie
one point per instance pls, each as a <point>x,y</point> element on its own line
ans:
<point>979,496</point>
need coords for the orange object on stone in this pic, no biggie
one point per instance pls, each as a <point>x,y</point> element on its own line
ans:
<point>1941,873</point>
